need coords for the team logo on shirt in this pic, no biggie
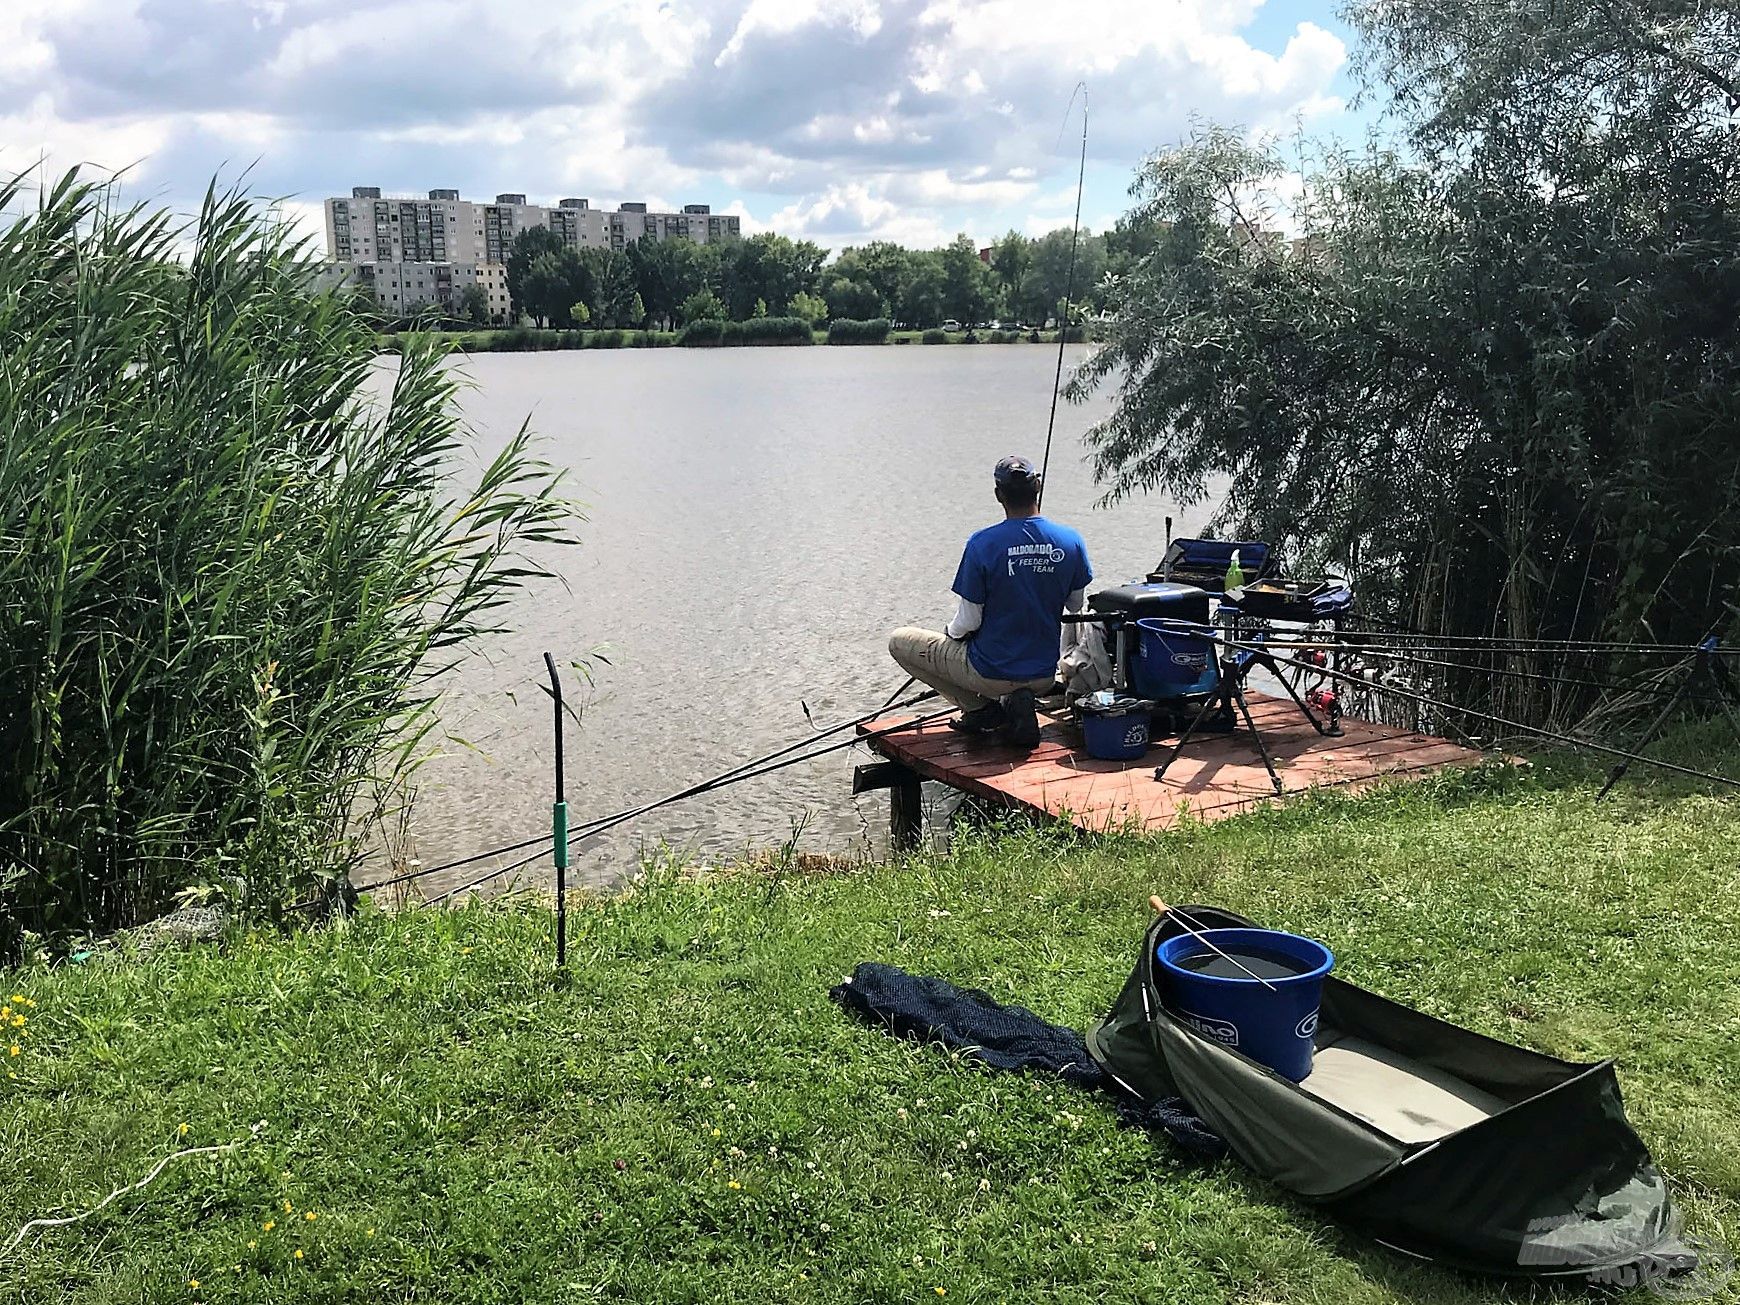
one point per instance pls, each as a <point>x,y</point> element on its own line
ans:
<point>1042,558</point>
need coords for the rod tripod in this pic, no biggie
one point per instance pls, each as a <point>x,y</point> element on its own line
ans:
<point>1229,691</point>
<point>1707,668</point>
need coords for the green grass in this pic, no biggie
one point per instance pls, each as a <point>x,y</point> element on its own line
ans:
<point>688,1118</point>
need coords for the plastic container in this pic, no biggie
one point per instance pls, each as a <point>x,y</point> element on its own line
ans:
<point>1274,1024</point>
<point>1171,662</point>
<point>1116,729</point>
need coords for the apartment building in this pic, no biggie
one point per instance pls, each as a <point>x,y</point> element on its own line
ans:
<point>404,242</point>
<point>403,289</point>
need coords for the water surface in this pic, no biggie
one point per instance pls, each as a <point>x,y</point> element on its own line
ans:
<point>759,520</point>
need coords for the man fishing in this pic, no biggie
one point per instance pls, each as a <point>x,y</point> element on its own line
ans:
<point>1015,581</point>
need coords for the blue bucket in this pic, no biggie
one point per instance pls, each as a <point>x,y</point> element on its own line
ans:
<point>1170,661</point>
<point>1273,1025</point>
<point>1118,732</point>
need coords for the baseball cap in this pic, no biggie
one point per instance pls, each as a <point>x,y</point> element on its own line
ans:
<point>1016,470</point>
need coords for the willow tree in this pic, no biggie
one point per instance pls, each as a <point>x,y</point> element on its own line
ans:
<point>1496,371</point>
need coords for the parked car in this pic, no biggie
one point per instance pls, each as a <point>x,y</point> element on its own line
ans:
<point>951,325</point>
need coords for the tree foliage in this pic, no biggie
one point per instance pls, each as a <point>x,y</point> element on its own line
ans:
<point>702,306</point>
<point>474,304</point>
<point>856,300</point>
<point>966,282</point>
<point>527,247</point>
<point>1499,373</point>
<point>770,269</point>
<point>811,308</point>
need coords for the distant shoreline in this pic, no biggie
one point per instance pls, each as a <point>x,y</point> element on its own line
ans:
<point>521,339</point>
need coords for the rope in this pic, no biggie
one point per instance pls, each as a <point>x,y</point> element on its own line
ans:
<point>150,1177</point>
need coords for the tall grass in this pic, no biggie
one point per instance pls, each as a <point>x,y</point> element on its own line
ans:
<point>231,573</point>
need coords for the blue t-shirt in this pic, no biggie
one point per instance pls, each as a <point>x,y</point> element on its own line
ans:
<point>1020,572</point>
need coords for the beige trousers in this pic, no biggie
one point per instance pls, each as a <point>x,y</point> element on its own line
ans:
<point>941,662</point>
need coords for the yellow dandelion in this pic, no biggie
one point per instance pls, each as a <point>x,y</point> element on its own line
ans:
<point>18,997</point>
<point>288,1208</point>
<point>14,1049</point>
<point>268,1225</point>
<point>18,1021</point>
<point>5,1012</point>
<point>941,1291</point>
<point>299,1253</point>
<point>734,1185</point>
<point>181,1130</point>
<point>715,1132</point>
<point>252,1243</point>
<point>370,1233</point>
<point>311,1216</point>
<point>194,1283</point>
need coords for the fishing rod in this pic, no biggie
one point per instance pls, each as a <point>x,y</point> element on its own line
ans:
<point>1377,686</point>
<point>1394,655</point>
<point>581,834</point>
<point>1404,630</point>
<point>724,776</point>
<point>1605,686</point>
<point>1068,289</point>
<point>1503,642</point>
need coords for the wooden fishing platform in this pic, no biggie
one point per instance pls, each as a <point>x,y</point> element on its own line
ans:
<point>1218,775</point>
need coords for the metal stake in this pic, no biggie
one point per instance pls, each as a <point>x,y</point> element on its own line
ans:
<point>559,822</point>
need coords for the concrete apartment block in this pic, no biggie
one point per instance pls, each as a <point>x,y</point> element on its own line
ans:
<point>403,240</point>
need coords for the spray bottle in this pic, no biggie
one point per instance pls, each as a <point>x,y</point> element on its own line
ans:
<point>1235,575</point>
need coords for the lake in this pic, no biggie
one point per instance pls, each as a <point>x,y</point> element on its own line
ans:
<point>759,520</point>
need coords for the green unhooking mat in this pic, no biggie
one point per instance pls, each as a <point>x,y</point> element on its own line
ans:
<point>1436,1141</point>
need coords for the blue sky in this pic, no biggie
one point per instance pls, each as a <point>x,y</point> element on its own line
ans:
<point>838,120</point>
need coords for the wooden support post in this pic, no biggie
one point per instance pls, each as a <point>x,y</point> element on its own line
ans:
<point>905,812</point>
<point>905,800</point>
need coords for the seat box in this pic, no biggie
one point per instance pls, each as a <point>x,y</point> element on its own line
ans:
<point>1153,598</point>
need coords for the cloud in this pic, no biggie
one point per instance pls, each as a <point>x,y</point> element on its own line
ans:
<point>853,214</point>
<point>834,118</point>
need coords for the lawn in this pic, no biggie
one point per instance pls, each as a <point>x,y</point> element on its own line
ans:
<point>688,1118</point>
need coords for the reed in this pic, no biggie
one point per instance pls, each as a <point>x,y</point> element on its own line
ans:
<point>847,330</point>
<point>233,568</point>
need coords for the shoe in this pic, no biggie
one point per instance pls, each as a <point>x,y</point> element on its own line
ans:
<point>983,720</point>
<point>1022,723</point>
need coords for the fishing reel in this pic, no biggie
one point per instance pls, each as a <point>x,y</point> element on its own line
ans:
<point>1325,702</point>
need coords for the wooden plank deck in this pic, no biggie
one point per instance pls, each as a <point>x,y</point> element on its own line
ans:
<point>1218,775</point>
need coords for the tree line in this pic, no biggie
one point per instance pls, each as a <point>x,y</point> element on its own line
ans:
<point>671,283</point>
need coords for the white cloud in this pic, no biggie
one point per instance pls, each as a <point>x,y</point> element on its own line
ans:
<point>38,132</point>
<point>853,215</point>
<point>905,119</point>
<point>781,17</point>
